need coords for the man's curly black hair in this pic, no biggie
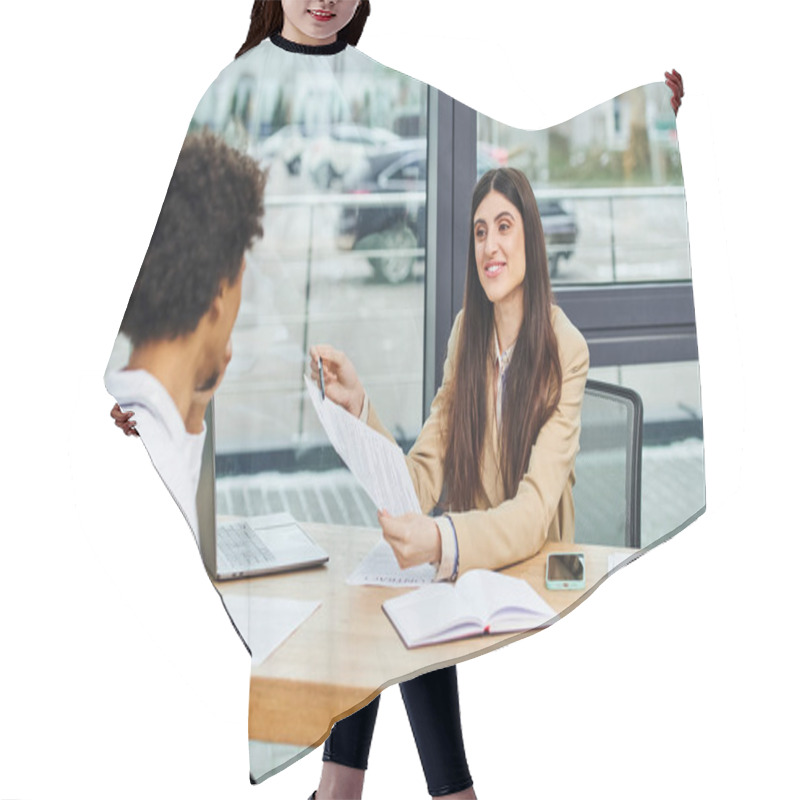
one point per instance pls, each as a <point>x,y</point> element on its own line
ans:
<point>210,217</point>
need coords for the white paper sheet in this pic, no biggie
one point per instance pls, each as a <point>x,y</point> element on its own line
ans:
<point>380,568</point>
<point>380,467</point>
<point>266,622</point>
<point>615,559</point>
<point>377,464</point>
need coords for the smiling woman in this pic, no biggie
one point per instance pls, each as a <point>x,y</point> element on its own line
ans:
<point>498,448</point>
<point>497,451</point>
<point>511,321</point>
<point>316,21</point>
<point>306,22</point>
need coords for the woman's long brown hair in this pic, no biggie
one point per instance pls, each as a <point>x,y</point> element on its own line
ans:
<point>266,18</point>
<point>533,380</point>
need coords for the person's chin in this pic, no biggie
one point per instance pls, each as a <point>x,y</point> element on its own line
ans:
<point>318,29</point>
<point>492,293</point>
<point>209,384</point>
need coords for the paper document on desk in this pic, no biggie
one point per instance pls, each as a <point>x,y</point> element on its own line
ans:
<point>377,464</point>
<point>380,568</point>
<point>266,622</point>
<point>617,559</point>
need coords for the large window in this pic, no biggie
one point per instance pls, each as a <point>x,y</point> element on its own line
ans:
<point>365,248</point>
<point>341,262</point>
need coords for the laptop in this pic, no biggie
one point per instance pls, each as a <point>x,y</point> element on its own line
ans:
<point>248,546</point>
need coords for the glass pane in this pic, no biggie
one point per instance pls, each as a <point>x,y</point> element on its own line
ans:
<point>609,186</point>
<point>341,262</point>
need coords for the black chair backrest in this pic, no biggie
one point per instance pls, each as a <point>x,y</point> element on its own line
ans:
<point>608,469</point>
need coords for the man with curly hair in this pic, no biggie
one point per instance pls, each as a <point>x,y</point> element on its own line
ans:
<point>183,307</point>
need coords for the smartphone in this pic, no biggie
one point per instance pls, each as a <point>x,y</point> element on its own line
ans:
<point>565,571</point>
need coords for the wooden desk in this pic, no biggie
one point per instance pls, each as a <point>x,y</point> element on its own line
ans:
<point>340,658</point>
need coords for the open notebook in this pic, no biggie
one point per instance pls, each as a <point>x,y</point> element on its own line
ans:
<point>480,602</point>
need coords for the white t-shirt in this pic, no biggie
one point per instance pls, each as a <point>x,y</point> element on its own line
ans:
<point>175,453</point>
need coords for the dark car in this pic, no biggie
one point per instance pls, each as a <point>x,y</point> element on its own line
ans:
<point>399,226</point>
<point>560,232</point>
<point>396,226</point>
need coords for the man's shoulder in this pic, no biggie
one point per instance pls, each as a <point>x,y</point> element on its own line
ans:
<point>175,453</point>
<point>138,391</point>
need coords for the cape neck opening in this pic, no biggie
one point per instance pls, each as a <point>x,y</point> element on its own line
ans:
<point>308,49</point>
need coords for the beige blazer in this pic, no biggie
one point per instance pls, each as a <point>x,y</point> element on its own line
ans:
<point>503,530</point>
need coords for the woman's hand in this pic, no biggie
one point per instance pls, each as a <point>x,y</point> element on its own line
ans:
<point>675,82</point>
<point>342,384</point>
<point>124,420</point>
<point>413,537</point>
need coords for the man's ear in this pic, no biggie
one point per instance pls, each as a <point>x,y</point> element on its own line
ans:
<point>215,309</point>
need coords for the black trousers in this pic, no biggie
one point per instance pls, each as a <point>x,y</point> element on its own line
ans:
<point>431,702</point>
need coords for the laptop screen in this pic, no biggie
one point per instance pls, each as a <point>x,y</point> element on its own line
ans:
<point>206,499</point>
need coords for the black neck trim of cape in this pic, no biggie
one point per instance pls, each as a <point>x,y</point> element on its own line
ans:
<point>308,49</point>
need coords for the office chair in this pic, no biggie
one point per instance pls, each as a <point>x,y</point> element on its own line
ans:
<point>608,469</point>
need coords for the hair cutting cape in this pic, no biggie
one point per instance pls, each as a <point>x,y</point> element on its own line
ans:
<point>353,174</point>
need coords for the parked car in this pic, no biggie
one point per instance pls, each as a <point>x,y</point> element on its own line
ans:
<point>331,156</point>
<point>401,226</point>
<point>324,153</point>
<point>392,226</point>
<point>287,144</point>
<point>560,232</point>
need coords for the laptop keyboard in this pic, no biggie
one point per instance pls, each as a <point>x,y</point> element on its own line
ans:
<point>238,547</point>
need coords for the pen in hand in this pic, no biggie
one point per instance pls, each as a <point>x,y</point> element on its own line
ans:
<point>321,377</point>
